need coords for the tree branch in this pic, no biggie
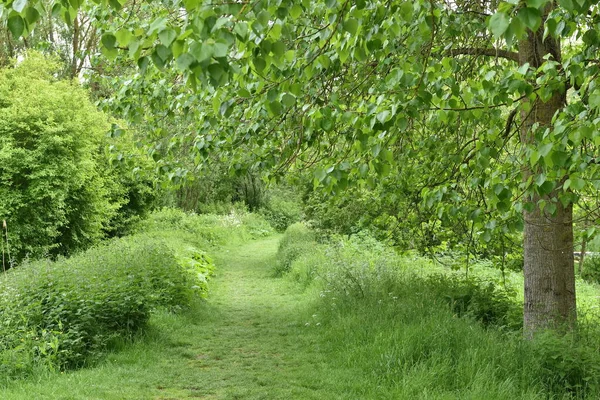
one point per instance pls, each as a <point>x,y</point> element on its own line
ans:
<point>491,52</point>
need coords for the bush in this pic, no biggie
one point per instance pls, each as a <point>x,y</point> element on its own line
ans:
<point>297,240</point>
<point>591,269</point>
<point>568,363</point>
<point>131,181</point>
<point>484,301</point>
<point>52,193</point>
<point>206,229</point>
<point>283,208</point>
<point>59,314</point>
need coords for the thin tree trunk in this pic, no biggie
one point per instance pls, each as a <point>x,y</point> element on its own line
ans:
<point>582,255</point>
<point>548,238</point>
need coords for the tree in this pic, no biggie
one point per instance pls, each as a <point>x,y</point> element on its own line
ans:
<point>476,91</point>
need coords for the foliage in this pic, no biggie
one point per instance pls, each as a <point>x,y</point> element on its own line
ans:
<point>282,207</point>
<point>570,363</point>
<point>59,314</point>
<point>484,301</point>
<point>130,180</point>
<point>298,239</point>
<point>591,268</point>
<point>206,230</point>
<point>424,324</point>
<point>52,195</point>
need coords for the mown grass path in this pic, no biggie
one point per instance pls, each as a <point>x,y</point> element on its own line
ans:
<point>249,340</point>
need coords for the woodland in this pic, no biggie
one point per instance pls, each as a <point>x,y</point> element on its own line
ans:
<point>300,199</point>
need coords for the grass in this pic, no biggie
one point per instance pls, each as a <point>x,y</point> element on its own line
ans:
<point>250,340</point>
<point>261,337</point>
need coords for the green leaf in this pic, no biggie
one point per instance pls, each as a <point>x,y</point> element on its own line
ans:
<point>594,99</point>
<point>545,188</point>
<point>536,3</point>
<point>351,26</point>
<point>157,25</point>
<point>567,4</point>
<point>167,36</point>
<point>16,25</point>
<point>19,5</point>
<point>184,61</point>
<point>288,100</point>
<point>220,50</point>
<point>241,30</point>
<point>32,15</point>
<point>259,64</point>
<point>108,41</point>
<point>531,17</point>
<point>143,63</point>
<point>164,52</point>
<point>157,60</point>
<point>202,51</point>
<point>177,48</point>
<point>545,149</point>
<point>274,108</point>
<point>499,23</point>
<point>124,37</point>
<point>296,11</point>
<point>577,183</point>
<point>279,49</point>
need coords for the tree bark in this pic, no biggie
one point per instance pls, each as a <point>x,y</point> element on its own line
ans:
<point>548,238</point>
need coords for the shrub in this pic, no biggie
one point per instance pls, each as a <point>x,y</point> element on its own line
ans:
<point>484,301</point>
<point>51,190</point>
<point>297,240</point>
<point>591,269</point>
<point>567,363</point>
<point>283,208</point>
<point>61,313</point>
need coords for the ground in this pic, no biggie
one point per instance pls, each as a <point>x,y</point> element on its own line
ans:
<point>254,338</point>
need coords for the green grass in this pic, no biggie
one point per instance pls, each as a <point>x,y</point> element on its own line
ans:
<point>261,337</point>
<point>250,340</point>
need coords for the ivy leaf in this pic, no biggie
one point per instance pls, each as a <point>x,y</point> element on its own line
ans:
<point>16,25</point>
<point>499,23</point>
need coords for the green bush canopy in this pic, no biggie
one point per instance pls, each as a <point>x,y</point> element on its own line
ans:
<point>55,190</point>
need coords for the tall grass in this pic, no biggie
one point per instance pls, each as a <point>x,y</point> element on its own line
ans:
<point>438,335</point>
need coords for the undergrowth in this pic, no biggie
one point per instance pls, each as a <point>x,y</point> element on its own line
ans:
<point>64,314</point>
<point>436,334</point>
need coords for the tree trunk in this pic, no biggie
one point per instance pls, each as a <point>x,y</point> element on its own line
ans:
<point>582,255</point>
<point>548,238</point>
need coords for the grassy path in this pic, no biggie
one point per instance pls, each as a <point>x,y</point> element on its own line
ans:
<point>248,341</point>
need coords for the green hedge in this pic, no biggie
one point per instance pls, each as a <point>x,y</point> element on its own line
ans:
<point>59,314</point>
